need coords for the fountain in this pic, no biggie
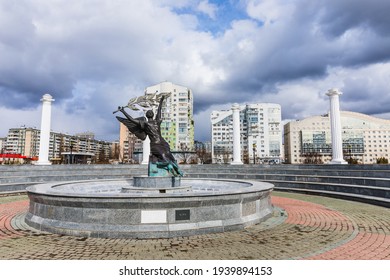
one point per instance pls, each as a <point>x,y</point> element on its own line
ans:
<point>163,204</point>
<point>118,209</point>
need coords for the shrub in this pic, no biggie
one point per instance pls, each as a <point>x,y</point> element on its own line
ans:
<point>382,160</point>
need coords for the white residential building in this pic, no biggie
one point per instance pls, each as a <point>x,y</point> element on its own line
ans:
<point>261,134</point>
<point>177,127</point>
<point>365,138</point>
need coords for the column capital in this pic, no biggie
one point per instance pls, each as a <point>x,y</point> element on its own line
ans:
<point>333,92</point>
<point>235,106</point>
<point>47,97</point>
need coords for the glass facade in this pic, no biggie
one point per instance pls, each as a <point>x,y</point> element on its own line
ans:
<point>365,138</point>
<point>353,141</point>
<point>316,142</point>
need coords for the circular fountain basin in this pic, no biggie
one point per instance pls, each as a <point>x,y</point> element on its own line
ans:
<point>102,209</point>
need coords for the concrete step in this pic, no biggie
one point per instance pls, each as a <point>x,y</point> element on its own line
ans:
<point>379,182</point>
<point>371,182</point>
<point>64,177</point>
<point>15,187</point>
<point>373,191</point>
<point>317,172</point>
<point>385,202</point>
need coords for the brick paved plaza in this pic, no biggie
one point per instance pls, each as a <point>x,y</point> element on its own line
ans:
<point>303,227</point>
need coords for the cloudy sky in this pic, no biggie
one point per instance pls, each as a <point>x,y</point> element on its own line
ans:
<point>94,55</point>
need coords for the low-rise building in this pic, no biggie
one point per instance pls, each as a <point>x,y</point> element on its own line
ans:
<point>130,147</point>
<point>365,139</point>
<point>63,148</point>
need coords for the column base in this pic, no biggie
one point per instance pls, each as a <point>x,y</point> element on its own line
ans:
<point>337,161</point>
<point>42,163</point>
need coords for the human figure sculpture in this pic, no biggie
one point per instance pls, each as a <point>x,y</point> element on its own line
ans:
<point>161,155</point>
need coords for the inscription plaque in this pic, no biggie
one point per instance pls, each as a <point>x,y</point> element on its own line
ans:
<point>182,215</point>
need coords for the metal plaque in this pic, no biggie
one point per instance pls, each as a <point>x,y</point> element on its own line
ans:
<point>182,215</point>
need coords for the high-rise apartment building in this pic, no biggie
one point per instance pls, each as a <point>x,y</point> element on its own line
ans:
<point>365,139</point>
<point>260,130</point>
<point>177,127</point>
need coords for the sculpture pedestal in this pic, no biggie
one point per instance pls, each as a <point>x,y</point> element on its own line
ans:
<point>156,182</point>
<point>146,184</point>
<point>339,161</point>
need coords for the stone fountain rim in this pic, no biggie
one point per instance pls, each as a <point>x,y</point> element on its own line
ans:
<point>48,189</point>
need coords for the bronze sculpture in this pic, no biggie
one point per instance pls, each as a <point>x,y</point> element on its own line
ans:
<point>161,156</point>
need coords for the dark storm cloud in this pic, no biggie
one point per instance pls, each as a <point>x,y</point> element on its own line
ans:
<point>27,69</point>
<point>368,94</point>
<point>336,17</point>
<point>369,107</point>
<point>22,87</point>
<point>355,32</point>
<point>51,49</point>
<point>317,36</point>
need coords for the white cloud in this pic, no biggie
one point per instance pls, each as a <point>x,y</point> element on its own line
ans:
<point>92,58</point>
<point>270,11</point>
<point>207,8</point>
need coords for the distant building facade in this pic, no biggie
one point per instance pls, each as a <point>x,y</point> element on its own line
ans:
<point>2,144</point>
<point>86,135</point>
<point>261,134</point>
<point>63,148</point>
<point>177,127</point>
<point>130,147</point>
<point>203,145</point>
<point>365,139</point>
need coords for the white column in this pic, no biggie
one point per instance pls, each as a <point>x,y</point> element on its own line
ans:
<point>45,130</point>
<point>236,135</point>
<point>145,150</point>
<point>335,127</point>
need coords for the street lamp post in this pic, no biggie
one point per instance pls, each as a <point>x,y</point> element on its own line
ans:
<point>350,153</point>
<point>71,150</point>
<point>254,153</point>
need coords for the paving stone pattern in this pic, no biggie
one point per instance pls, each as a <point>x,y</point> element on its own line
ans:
<point>302,227</point>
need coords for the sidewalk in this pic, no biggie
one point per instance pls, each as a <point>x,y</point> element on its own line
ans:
<point>303,227</point>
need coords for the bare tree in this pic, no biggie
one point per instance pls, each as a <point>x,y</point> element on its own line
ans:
<point>185,154</point>
<point>245,156</point>
<point>203,155</point>
<point>312,158</point>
